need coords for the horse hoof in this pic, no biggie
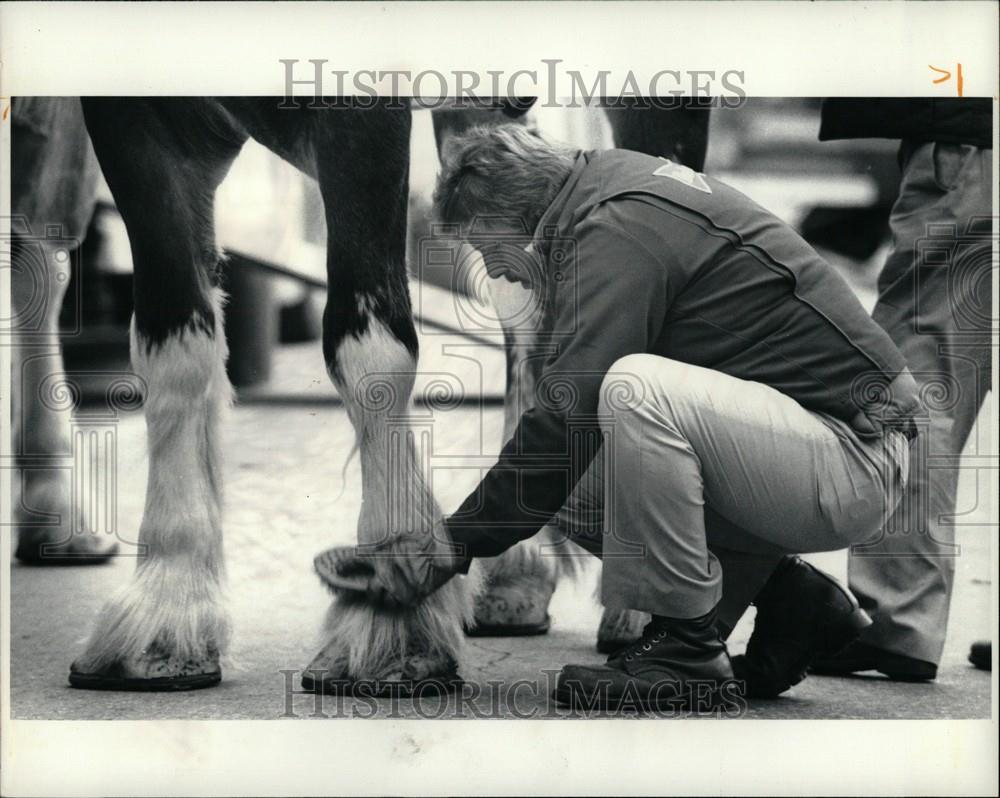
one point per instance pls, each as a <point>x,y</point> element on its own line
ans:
<point>619,628</point>
<point>418,677</point>
<point>513,609</point>
<point>80,549</point>
<point>156,673</point>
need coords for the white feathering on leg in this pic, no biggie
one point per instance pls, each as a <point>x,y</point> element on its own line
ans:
<point>174,600</point>
<point>374,374</point>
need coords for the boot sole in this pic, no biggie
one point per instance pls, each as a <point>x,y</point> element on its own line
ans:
<point>860,666</point>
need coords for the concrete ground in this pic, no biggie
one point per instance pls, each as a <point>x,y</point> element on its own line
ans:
<point>286,500</point>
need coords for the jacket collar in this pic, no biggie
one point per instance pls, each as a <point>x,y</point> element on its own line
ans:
<point>548,226</point>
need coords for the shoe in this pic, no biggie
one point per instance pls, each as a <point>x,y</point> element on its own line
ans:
<point>981,655</point>
<point>802,614</point>
<point>676,664</point>
<point>859,657</point>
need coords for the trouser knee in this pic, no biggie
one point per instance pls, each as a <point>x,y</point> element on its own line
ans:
<point>625,387</point>
<point>632,392</point>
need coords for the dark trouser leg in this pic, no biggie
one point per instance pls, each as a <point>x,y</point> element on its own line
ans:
<point>934,301</point>
<point>747,562</point>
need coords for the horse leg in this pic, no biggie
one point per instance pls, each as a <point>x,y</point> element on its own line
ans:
<point>619,628</point>
<point>52,184</point>
<point>370,347</point>
<point>163,160</point>
<point>521,581</point>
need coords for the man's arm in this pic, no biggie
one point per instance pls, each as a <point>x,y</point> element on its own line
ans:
<point>612,304</point>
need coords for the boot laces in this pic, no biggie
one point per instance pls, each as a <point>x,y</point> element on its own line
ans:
<point>651,634</point>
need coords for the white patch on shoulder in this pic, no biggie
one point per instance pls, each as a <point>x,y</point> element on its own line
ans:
<point>684,174</point>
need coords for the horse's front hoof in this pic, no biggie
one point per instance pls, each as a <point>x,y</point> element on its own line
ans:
<point>418,677</point>
<point>35,548</point>
<point>152,673</point>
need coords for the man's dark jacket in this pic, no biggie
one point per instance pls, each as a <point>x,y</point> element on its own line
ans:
<point>646,256</point>
<point>966,120</point>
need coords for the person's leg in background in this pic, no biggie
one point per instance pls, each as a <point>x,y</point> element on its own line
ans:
<point>934,301</point>
<point>53,183</point>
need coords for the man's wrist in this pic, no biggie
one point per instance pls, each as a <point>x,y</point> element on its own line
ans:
<point>461,557</point>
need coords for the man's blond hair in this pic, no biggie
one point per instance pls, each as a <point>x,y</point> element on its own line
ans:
<point>503,171</point>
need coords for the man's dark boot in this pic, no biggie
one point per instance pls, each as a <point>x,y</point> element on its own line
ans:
<point>676,664</point>
<point>802,614</point>
<point>858,657</point>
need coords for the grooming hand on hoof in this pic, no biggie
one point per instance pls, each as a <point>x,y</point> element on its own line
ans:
<point>399,572</point>
<point>396,626</point>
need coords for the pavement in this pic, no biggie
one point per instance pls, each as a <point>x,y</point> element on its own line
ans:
<point>288,496</point>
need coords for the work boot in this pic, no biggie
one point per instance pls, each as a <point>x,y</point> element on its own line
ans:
<point>802,614</point>
<point>676,664</point>
<point>858,657</point>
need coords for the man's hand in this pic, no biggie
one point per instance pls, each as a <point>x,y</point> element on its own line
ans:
<point>399,572</point>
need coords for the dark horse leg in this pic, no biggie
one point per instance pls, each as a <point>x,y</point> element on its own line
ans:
<point>163,160</point>
<point>679,133</point>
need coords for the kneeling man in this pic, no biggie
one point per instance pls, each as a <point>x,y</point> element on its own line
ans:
<point>710,382</point>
